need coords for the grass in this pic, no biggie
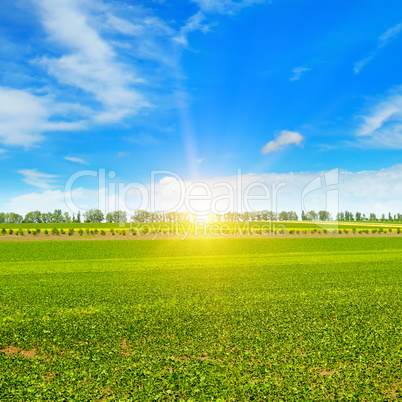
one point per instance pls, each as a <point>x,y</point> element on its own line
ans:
<point>228,319</point>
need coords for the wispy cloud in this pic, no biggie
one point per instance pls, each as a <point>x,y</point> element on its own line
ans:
<point>382,124</point>
<point>383,40</point>
<point>123,154</point>
<point>195,23</point>
<point>76,160</point>
<point>89,62</point>
<point>142,139</point>
<point>25,117</point>
<point>389,35</point>
<point>283,140</point>
<point>225,6</point>
<point>298,72</point>
<point>113,57</point>
<point>37,179</point>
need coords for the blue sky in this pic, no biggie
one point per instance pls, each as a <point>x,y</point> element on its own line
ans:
<point>201,88</point>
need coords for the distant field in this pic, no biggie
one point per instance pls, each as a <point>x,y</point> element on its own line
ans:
<point>278,224</point>
<point>235,319</point>
<point>77,231</point>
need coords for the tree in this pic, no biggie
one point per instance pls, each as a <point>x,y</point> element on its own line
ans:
<point>311,216</point>
<point>116,217</point>
<point>283,216</point>
<point>2,217</point>
<point>228,217</point>
<point>272,216</point>
<point>348,216</point>
<point>33,217</point>
<point>47,217</point>
<point>66,217</point>
<point>324,215</point>
<point>340,216</point>
<point>142,216</point>
<point>245,216</point>
<point>57,216</point>
<point>94,216</point>
<point>303,216</point>
<point>12,217</point>
<point>292,216</point>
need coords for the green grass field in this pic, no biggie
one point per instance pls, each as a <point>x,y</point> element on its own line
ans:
<point>219,319</point>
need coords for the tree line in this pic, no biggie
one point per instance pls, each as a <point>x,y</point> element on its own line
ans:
<point>142,216</point>
<point>360,217</point>
<point>58,216</point>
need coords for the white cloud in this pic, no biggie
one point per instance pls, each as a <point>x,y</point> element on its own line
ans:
<point>194,23</point>
<point>49,200</point>
<point>90,62</point>
<point>37,179</point>
<point>382,125</point>
<point>123,154</point>
<point>378,191</point>
<point>284,139</point>
<point>387,36</point>
<point>123,26</point>
<point>383,40</point>
<point>76,160</point>
<point>25,117</point>
<point>298,72</point>
<point>225,6</point>
<point>361,63</point>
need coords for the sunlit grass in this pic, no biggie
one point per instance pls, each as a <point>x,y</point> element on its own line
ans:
<point>235,319</point>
